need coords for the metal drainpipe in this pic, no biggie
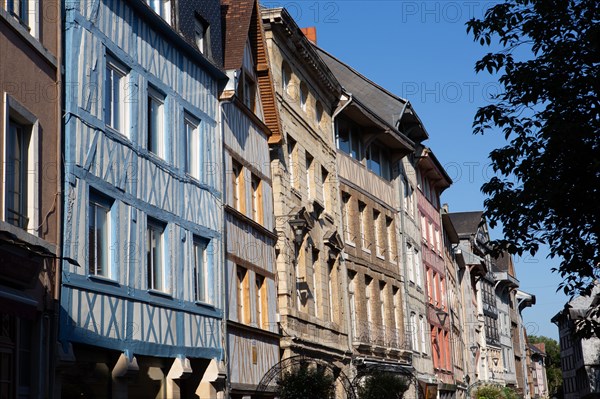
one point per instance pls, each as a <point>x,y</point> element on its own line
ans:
<point>224,301</point>
<point>54,328</point>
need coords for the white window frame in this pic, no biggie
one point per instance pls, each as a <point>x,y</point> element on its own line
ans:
<point>159,265</point>
<point>116,68</point>
<point>201,35</point>
<point>13,110</point>
<point>98,200</point>
<point>157,148</point>
<point>191,145</point>
<point>422,331</point>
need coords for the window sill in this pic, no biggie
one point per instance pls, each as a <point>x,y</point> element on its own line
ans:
<point>205,304</point>
<point>350,244</point>
<point>103,280</point>
<point>379,256</point>
<point>25,33</point>
<point>160,293</point>
<point>366,250</point>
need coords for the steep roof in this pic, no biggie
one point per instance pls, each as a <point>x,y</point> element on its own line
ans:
<point>241,21</point>
<point>466,223</point>
<point>237,15</point>
<point>386,105</point>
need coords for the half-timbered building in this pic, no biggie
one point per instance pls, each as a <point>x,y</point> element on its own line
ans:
<point>142,316</point>
<point>250,124</point>
<point>432,180</point>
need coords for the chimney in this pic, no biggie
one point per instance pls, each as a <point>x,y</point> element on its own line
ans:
<point>310,33</point>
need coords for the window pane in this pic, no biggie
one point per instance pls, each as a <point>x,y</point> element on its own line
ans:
<point>16,175</point>
<point>199,271</point>
<point>155,128</point>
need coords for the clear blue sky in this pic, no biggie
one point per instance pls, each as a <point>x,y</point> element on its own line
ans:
<point>420,50</point>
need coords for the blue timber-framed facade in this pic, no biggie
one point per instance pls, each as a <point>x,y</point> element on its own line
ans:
<point>143,201</point>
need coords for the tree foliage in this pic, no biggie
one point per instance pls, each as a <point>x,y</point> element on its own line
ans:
<point>546,187</point>
<point>304,382</point>
<point>553,370</point>
<point>489,391</point>
<point>383,385</point>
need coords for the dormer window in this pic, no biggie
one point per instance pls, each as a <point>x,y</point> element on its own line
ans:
<point>162,8</point>
<point>201,36</point>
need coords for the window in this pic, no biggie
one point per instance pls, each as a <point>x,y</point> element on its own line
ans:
<point>378,161</point>
<point>346,218</point>
<point>243,298</point>
<point>391,238</point>
<point>330,292</point>
<point>309,175</point>
<point>99,235</point>
<point>348,138</point>
<point>18,182</point>
<point>192,146</point>
<point>291,152</point>
<point>248,91</point>
<point>382,309</point>
<point>318,112</point>
<point>362,211</point>
<point>156,126</point>
<point>162,8</point>
<point>19,9</point>
<point>286,77</point>
<point>417,260</point>
<point>414,330</point>
<point>352,295</point>
<point>199,268</point>
<point>262,317</point>
<point>377,220</point>
<point>25,11</point>
<point>237,186</point>
<point>303,95</point>
<point>257,207</point>
<point>115,80</point>
<point>410,262</point>
<point>397,313</point>
<point>155,255</point>
<point>408,196</point>
<point>422,331</point>
<point>325,188</point>
<point>316,269</point>
<point>201,36</point>
<point>368,292</point>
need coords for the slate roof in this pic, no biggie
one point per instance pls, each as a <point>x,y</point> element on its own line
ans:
<point>466,223</point>
<point>236,15</point>
<point>387,106</point>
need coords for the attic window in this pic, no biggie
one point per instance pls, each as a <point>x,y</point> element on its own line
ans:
<point>201,35</point>
<point>162,8</point>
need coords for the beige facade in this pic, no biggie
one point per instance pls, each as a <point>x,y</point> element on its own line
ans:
<point>311,292</point>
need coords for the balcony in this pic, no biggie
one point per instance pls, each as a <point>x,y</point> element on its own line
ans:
<point>505,280</point>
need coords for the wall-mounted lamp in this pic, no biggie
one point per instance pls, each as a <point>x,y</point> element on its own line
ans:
<point>442,316</point>
<point>473,349</point>
<point>298,224</point>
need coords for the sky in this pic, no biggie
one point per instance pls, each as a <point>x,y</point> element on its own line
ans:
<point>420,50</point>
